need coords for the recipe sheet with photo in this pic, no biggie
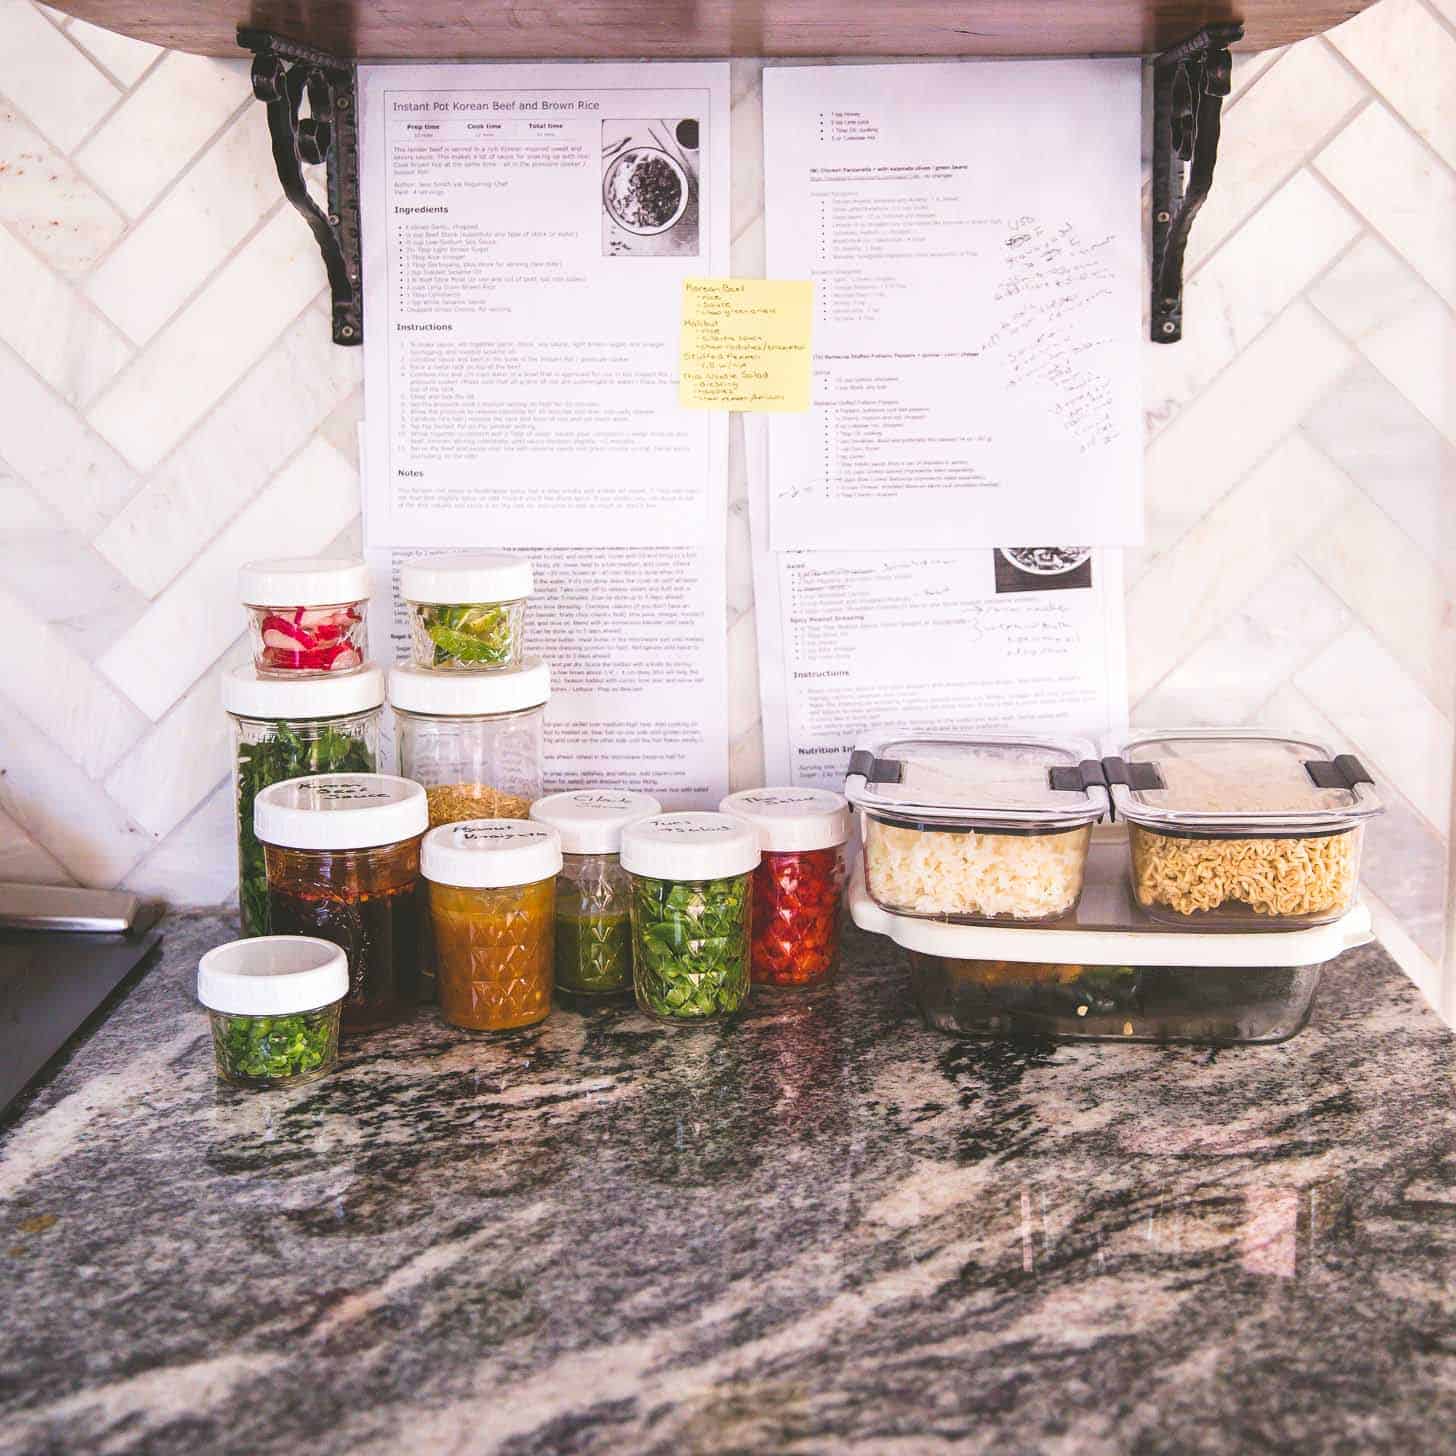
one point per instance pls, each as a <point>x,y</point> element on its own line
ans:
<point>1005,640</point>
<point>635,638</point>
<point>973,235</point>
<point>527,230</point>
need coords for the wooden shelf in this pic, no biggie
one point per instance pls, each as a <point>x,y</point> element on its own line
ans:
<point>486,29</point>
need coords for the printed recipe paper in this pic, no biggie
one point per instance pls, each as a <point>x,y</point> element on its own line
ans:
<point>973,235</point>
<point>527,232</point>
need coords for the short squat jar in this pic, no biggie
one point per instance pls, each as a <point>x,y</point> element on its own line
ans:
<point>593,891</point>
<point>286,728</point>
<point>492,888</point>
<point>342,853</point>
<point>306,615</point>
<point>466,613</point>
<point>798,884</point>
<point>273,1003</point>
<point>475,741</point>
<point>691,878</point>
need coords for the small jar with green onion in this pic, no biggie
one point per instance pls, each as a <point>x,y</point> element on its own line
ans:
<point>273,1003</point>
<point>690,914</point>
<point>593,891</point>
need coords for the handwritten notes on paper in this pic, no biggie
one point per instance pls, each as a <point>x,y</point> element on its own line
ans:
<point>746,344</point>
<point>977,351</point>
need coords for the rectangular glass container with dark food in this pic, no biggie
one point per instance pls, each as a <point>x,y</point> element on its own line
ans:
<point>1109,972</point>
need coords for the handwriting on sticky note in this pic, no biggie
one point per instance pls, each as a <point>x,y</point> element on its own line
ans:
<point>745,344</point>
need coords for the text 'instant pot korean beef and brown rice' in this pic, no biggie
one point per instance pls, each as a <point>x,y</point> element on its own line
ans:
<point>987,829</point>
<point>1242,828</point>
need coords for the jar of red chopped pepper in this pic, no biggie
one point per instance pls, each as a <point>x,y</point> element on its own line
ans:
<point>798,883</point>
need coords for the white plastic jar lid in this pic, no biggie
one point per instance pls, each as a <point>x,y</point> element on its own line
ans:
<point>591,821</point>
<point>303,581</point>
<point>272,975</point>
<point>689,847</point>
<point>789,820</point>
<point>485,576</point>
<point>247,695</point>
<point>491,854</point>
<point>470,694</point>
<point>340,811</point>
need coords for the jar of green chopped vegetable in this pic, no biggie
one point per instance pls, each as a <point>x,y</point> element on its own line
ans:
<point>690,914</point>
<point>593,891</point>
<point>466,613</point>
<point>273,1003</point>
<point>286,728</point>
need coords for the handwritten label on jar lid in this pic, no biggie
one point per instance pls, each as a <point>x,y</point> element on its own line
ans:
<point>488,854</point>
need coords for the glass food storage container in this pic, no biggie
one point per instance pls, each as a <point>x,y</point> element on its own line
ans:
<point>1111,972</point>
<point>273,1004</point>
<point>980,830</point>
<point>475,741</point>
<point>593,891</point>
<point>1241,829</point>
<point>690,914</point>
<point>492,890</point>
<point>798,882</point>
<point>306,616</point>
<point>466,613</point>
<point>342,852</point>
<point>286,728</point>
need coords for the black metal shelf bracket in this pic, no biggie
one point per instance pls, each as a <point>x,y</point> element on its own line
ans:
<point>1190,81</point>
<point>286,74</point>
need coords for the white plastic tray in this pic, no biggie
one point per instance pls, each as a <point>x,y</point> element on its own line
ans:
<point>1109,929</point>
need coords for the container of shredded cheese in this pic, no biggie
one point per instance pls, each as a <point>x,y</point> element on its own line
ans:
<point>986,830</point>
<point>1240,828</point>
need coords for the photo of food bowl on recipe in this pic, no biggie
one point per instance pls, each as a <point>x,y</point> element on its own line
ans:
<point>650,172</point>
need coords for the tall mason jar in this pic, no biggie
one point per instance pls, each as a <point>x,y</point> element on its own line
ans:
<point>474,740</point>
<point>285,728</point>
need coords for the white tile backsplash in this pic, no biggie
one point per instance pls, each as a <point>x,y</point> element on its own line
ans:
<point>173,404</point>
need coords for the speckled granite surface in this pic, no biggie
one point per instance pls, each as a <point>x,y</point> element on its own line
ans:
<point>824,1229</point>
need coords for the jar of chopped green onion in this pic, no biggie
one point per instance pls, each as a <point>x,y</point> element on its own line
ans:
<point>690,914</point>
<point>273,1003</point>
<point>593,891</point>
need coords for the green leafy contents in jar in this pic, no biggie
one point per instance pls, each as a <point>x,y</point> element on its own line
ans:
<point>271,1049</point>
<point>593,951</point>
<point>477,633</point>
<point>286,754</point>
<point>690,946</point>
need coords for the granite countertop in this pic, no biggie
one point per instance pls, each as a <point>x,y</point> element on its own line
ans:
<point>822,1229</point>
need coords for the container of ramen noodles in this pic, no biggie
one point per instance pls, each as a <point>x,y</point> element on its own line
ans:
<point>1241,829</point>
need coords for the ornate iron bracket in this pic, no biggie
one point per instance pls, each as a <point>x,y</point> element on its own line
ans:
<point>284,74</point>
<point>1189,84</point>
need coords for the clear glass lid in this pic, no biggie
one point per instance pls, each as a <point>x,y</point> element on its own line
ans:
<point>1224,777</point>
<point>989,778</point>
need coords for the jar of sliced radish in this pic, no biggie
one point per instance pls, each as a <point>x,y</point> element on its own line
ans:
<point>306,615</point>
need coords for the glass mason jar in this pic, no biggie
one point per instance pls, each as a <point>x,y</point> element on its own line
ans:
<point>342,853</point>
<point>306,615</point>
<point>273,1005</point>
<point>475,742</point>
<point>492,890</point>
<point>593,891</point>
<point>466,613</point>
<point>798,883</point>
<point>690,914</point>
<point>284,729</point>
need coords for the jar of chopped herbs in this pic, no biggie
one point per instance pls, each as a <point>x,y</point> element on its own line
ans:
<point>285,728</point>
<point>273,1004</point>
<point>342,852</point>
<point>690,914</point>
<point>466,613</point>
<point>593,891</point>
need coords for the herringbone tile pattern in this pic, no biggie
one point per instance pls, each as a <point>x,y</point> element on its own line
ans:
<point>172,406</point>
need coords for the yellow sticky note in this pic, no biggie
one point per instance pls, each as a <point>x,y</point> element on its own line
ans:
<point>745,343</point>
